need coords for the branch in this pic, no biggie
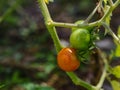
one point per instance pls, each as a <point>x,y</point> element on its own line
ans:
<point>110,10</point>
<point>80,82</point>
<point>93,12</point>
<point>110,2</point>
<point>111,32</point>
<point>48,21</point>
<point>68,25</point>
<point>96,23</point>
<point>103,76</point>
<point>116,4</point>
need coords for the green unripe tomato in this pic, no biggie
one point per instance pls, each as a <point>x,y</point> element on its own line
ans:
<point>80,39</point>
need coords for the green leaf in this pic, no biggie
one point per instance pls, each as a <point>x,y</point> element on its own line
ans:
<point>116,71</point>
<point>115,85</point>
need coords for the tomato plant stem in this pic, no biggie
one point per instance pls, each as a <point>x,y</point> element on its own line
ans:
<point>66,25</point>
<point>76,80</point>
<point>109,10</point>
<point>93,12</point>
<point>48,20</point>
<point>44,10</point>
<point>111,32</point>
<point>103,76</point>
<point>96,23</point>
<point>116,4</point>
<point>110,2</point>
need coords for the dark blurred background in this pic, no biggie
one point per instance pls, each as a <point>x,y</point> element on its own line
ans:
<point>27,53</point>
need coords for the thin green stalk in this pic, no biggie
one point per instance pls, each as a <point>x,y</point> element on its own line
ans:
<point>111,33</point>
<point>76,80</point>
<point>44,10</point>
<point>110,2</point>
<point>110,10</point>
<point>99,85</point>
<point>103,76</point>
<point>116,4</point>
<point>48,20</point>
<point>88,86</point>
<point>96,23</point>
<point>107,13</point>
<point>67,25</point>
<point>93,12</point>
<point>55,38</point>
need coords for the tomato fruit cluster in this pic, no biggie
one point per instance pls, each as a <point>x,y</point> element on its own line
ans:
<point>80,39</point>
<point>67,59</point>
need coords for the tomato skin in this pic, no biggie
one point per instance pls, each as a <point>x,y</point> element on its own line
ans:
<point>80,39</point>
<point>67,59</point>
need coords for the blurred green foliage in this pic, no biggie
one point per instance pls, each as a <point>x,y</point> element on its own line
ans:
<point>23,41</point>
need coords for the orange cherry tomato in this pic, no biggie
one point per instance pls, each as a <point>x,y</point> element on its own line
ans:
<point>67,59</point>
